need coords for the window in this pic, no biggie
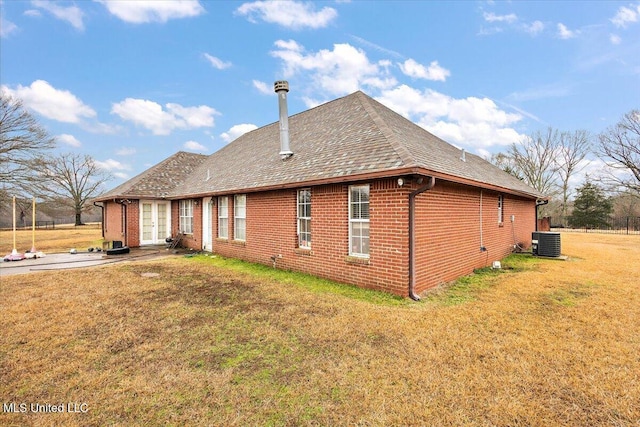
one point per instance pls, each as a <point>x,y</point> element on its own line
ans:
<point>304,218</point>
<point>186,216</point>
<point>240,217</point>
<point>500,205</point>
<point>359,220</point>
<point>223,217</point>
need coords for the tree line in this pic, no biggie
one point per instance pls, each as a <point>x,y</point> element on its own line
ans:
<point>29,169</point>
<point>549,159</point>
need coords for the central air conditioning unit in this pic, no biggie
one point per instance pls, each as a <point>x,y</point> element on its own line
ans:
<point>545,243</point>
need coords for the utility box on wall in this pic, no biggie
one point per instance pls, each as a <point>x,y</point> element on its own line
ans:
<point>545,243</point>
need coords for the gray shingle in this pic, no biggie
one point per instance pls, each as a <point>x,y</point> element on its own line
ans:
<point>346,137</point>
<point>159,180</point>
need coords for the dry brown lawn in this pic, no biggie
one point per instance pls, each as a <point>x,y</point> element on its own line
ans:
<point>548,343</point>
<point>60,239</point>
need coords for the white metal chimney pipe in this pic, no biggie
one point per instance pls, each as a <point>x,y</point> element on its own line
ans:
<point>281,87</point>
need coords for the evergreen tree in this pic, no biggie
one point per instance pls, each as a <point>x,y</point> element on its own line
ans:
<point>591,207</point>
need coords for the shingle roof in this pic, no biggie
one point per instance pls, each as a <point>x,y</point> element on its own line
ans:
<point>349,138</point>
<point>159,180</point>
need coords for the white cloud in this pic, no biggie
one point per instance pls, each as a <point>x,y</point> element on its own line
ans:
<point>139,12</point>
<point>237,131</point>
<point>111,165</point>
<point>71,140</point>
<point>121,175</point>
<point>148,114</point>
<point>624,16</point>
<point>103,128</point>
<point>72,14</point>
<point>262,87</point>
<point>336,72</point>
<point>434,72</point>
<point>193,117</point>
<point>159,121</point>
<point>615,39</point>
<point>289,14</point>
<point>126,151</point>
<point>510,21</point>
<point>492,17</point>
<point>32,13</point>
<point>60,105</point>
<point>564,33</point>
<point>291,45</point>
<point>484,153</point>
<point>194,146</point>
<point>471,121</point>
<point>217,62</point>
<point>535,28</point>
<point>7,27</point>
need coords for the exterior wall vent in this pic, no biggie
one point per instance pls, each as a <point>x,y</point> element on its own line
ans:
<point>545,243</point>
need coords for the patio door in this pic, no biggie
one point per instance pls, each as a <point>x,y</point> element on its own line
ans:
<point>154,222</point>
<point>207,224</point>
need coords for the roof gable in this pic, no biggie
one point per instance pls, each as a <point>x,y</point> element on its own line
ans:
<point>158,181</point>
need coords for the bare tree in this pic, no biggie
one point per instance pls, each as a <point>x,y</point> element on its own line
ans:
<point>534,160</point>
<point>572,149</point>
<point>626,203</point>
<point>21,140</point>
<point>72,179</point>
<point>619,147</point>
<point>506,163</point>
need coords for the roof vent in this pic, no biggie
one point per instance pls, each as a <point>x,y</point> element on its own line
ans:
<point>281,87</point>
<point>463,156</point>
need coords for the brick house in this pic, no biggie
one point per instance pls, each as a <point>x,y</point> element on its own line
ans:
<point>349,190</point>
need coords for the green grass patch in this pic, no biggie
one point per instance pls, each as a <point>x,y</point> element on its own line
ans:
<point>462,290</point>
<point>520,262</point>
<point>303,280</point>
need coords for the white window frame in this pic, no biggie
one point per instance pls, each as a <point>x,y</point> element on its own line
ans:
<point>500,208</point>
<point>357,218</point>
<point>223,217</point>
<point>186,216</point>
<point>304,218</point>
<point>240,217</point>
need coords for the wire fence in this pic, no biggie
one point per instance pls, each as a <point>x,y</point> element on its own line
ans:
<point>614,225</point>
<point>48,224</point>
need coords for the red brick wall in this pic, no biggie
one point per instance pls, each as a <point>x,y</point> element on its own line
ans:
<point>114,229</point>
<point>193,241</point>
<point>133,218</point>
<point>449,235</point>
<point>272,230</point>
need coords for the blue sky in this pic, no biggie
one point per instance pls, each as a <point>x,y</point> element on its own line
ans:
<point>131,83</point>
